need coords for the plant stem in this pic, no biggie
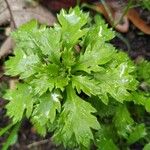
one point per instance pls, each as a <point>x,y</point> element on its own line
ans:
<point>38,143</point>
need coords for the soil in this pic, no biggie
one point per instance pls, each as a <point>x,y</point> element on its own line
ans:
<point>138,42</point>
<point>28,139</point>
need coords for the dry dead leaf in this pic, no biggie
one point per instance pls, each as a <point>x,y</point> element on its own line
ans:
<point>18,12</point>
<point>6,47</point>
<point>21,12</point>
<point>4,12</point>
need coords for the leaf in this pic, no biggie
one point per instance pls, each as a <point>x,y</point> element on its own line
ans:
<point>50,44</point>
<point>145,4</point>
<point>141,98</point>
<point>143,71</point>
<point>13,136</point>
<point>76,121</point>
<point>107,144</point>
<point>68,58</point>
<point>94,56</point>
<point>107,34</point>
<point>23,64</point>
<point>103,110</point>
<point>46,40</point>
<point>71,26</point>
<point>147,146</point>
<point>123,121</point>
<point>138,133</point>
<point>104,138</point>
<point>44,80</point>
<point>4,130</point>
<point>86,84</point>
<point>20,102</point>
<point>120,79</point>
<point>42,84</point>
<point>49,77</point>
<point>45,111</point>
<point>31,26</point>
<point>99,31</point>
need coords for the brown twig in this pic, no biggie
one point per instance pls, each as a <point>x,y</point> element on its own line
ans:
<point>12,18</point>
<point>38,143</point>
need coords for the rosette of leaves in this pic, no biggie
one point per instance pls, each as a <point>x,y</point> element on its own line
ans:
<point>66,72</point>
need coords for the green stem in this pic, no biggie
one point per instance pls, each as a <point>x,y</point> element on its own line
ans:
<point>108,11</point>
<point>114,24</point>
<point>124,41</point>
<point>124,12</point>
<point>12,136</point>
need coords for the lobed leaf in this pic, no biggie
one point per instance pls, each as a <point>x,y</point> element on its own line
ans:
<point>105,137</point>
<point>20,102</point>
<point>45,111</point>
<point>116,81</point>
<point>23,64</point>
<point>94,56</point>
<point>76,121</point>
<point>86,84</point>
<point>99,31</point>
<point>123,121</point>
<point>140,98</point>
<point>71,26</point>
<point>147,147</point>
<point>143,71</point>
<point>138,133</point>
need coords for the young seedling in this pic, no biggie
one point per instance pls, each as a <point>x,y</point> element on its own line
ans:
<point>73,82</point>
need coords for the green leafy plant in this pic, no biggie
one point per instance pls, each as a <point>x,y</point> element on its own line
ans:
<point>145,4</point>
<point>74,83</point>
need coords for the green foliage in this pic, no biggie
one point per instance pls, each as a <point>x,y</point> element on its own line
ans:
<point>74,83</point>
<point>13,134</point>
<point>105,137</point>
<point>147,146</point>
<point>12,138</point>
<point>3,88</point>
<point>142,98</point>
<point>22,99</point>
<point>45,111</point>
<point>145,4</point>
<point>76,121</point>
<point>143,71</point>
<point>139,132</point>
<point>123,121</point>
